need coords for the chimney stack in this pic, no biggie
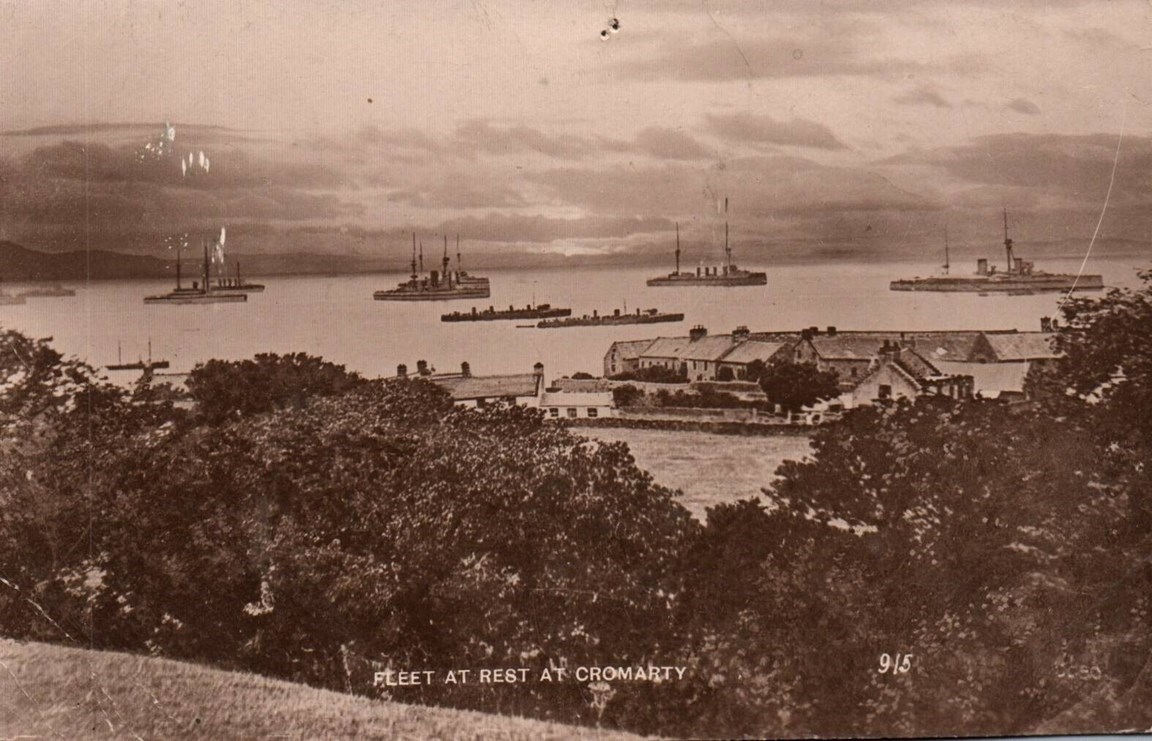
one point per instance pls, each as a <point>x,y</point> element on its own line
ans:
<point>1045,324</point>
<point>422,367</point>
<point>831,331</point>
<point>741,334</point>
<point>401,371</point>
<point>465,369</point>
<point>697,333</point>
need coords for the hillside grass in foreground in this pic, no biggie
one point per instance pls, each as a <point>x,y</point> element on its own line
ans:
<point>56,692</point>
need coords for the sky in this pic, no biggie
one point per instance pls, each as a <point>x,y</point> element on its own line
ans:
<point>585,129</point>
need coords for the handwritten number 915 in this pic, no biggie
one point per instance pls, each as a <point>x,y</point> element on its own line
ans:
<point>899,665</point>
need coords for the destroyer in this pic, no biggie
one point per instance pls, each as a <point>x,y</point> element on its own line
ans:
<point>540,311</point>
<point>727,275</point>
<point>1020,277</point>
<point>651,316</point>
<point>438,286</point>
<point>48,291</point>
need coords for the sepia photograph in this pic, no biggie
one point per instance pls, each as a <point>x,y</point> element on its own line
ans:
<point>596,369</point>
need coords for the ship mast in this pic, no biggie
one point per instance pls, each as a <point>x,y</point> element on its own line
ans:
<point>421,257</point>
<point>447,276</point>
<point>207,271</point>
<point>414,274</point>
<point>178,245</point>
<point>946,259</point>
<point>459,267</point>
<point>727,247</point>
<point>1007,241</point>
<point>677,248</point>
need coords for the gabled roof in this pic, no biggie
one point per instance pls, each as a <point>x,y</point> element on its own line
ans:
<point>746,352</point>
<point>708,348</point>
<point>917,366</point>
<point>465,388</point>
<point>990,379</point>
<point>954,347</point>
<point>847,347</point>
<point>666,347</point>
<point>630,349</point>
<point>1023,346</point>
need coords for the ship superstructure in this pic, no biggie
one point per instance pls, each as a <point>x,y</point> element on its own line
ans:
<point>438,285</point>
<point>727,275</point>
<point>1019,277</point>
<point>201,291</point>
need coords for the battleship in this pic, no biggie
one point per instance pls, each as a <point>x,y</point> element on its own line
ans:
<point>437,286</point>
<point>201,291</point>
<point>539,311</point>
<point>650,316</point>
<point>1020,278</point>
<point>238,283</point>
<point>727,275</point>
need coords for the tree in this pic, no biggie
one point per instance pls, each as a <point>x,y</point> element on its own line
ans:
<point>794,385</point>
<point>228,389</point>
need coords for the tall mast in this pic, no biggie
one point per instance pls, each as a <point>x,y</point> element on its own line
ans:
<point>447,276</point>
<point>421,257</point>
<point>1007,241</point>
<point>178,245</point>
<point>946,259</point>
<point>727,247</point>
<point>414,275</point>
<point>677,248</point>
<point>207,272</point>
<point>238,281</point>
<point>458,265</point>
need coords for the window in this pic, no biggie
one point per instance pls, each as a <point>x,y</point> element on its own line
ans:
<point>554,412</point>
<point>571,413</point>
<point>885,391</point>
<point>593,412</point>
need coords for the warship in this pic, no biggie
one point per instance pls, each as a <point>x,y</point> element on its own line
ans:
<point>1019,278</point>
<point>650,316</point>
<point>237,283</point>
<point>139,365</point>
<point>201,292</point>
<point>539,311</point>
<point>727,275</point>
<point>438,286</point>
<point>7,299</point>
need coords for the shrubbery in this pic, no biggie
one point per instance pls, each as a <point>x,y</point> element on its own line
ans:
<point>344,525</point>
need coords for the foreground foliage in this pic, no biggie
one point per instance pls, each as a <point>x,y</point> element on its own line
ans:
<point>335,527</point>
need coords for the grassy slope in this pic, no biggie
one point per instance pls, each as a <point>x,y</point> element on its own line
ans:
<point>708,468</point>
<point>54,692</point>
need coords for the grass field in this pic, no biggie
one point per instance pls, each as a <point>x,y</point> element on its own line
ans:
<point>708,468</point>
<point>62,693</point>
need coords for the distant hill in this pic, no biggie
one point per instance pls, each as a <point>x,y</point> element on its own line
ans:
<point>19,263</point>
<point>51,691</point>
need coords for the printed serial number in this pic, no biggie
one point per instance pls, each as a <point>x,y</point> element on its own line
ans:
<point>902,664</point>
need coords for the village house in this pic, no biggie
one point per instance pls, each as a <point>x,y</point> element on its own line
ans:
<point>697,357</point>
<point>902,373</point>
<point>522,389</point>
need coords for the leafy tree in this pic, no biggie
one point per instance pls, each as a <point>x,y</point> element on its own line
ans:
<point>626,395</point>
<point>226,389</point>
<point>794,385</point>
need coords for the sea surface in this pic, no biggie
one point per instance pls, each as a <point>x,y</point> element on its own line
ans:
<point>336,317</point>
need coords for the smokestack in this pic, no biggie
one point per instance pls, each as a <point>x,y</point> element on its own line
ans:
<point>465,369</point>
<point>401,371</point>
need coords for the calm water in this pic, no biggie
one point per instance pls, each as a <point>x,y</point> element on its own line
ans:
<point>335,317</point>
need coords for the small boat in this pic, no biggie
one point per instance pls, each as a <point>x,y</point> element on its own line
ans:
<point>48,291</point>
<point>139,365</point>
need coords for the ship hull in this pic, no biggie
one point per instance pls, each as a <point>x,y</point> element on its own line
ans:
<point>506,315</point>
<point>610,321</point>
<point>197,298</point>
<point>709,281</point>
<point>1022,286</point>
<point>48,293</point>
<point>462,292</point>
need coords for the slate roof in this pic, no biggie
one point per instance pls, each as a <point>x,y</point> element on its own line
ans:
<point>990,379</point>
<point>1023,346</point>
<point>849,347</point>
<point>708,348</point>
<point>952,347</point>
<point>631,349</point>
<point>746,352</point>
<point>666,347</point>
<point>464,388</point>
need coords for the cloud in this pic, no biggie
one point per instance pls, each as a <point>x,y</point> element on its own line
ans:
<point>1027,107</point>
<point>479,136</point>
<point>669,144</point>
<point>923,95</point>
<point>750,128</point>
<point>506,228</point>
<point>829,52</point>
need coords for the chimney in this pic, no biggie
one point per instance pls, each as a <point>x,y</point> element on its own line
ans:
<point>982,266</point>
<point>538,372</point>
<point>831,331</point>
<point>465,369</point>
<point>1045,324</point>
<point>741,334</point>
<point>815,331</point>
<point>806,334</point>
<point>422,367</point>
<point>401,371</point>
<point>697,333</point>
